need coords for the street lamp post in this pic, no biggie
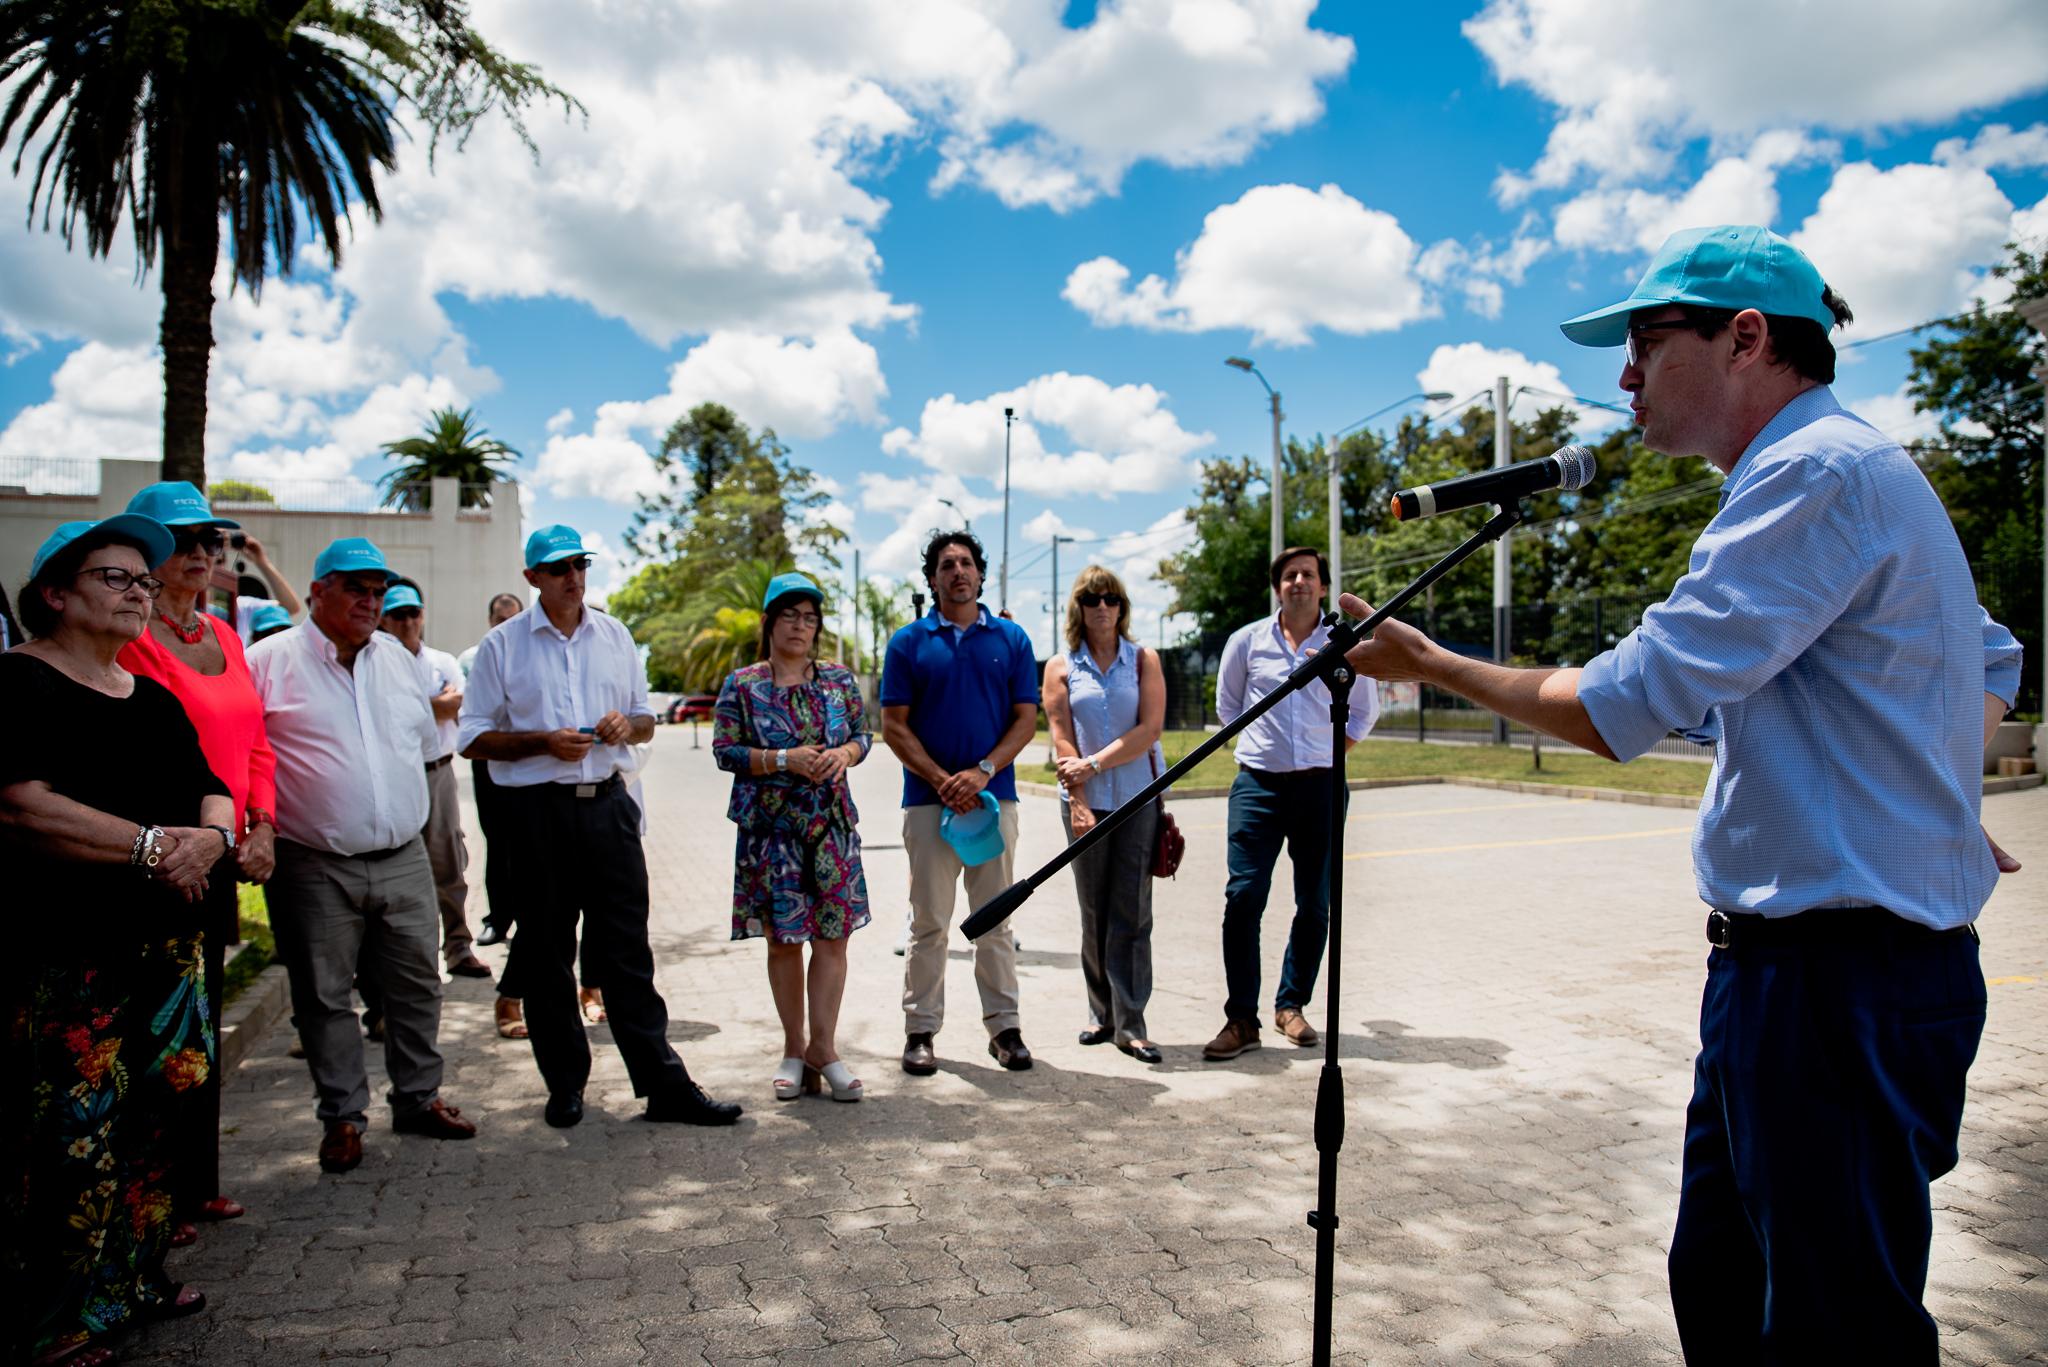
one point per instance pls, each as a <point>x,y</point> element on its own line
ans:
<point>1009,416</point>
<point>1278,534</point>
<point>2035,311</point>
<point>1053,603</point>
<point>1330,450</point>
<point>966,522</point>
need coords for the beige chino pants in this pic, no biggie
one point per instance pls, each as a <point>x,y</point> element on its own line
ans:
<point>935,871</point>
<point>448,854</point>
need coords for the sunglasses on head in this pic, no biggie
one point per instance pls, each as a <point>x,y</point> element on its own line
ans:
<point>1096,600</point>
<point>185,540</point>
<point>558,568</point>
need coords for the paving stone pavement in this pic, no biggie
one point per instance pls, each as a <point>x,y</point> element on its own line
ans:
<point>1520,997</point>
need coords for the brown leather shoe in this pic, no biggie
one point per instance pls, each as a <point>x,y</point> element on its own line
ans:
<point>1235,1037</point>
<point>438,1120</point>
<point>469,966</point>
<point>1289,1021</point>
<point>918,1057</point>
<point>1009,1049</point>
<point>342,1149</point>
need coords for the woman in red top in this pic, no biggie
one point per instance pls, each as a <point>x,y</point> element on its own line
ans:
<point>199,659</point>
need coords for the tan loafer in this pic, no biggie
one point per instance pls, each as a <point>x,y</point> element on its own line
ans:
<point>1290,1022</point>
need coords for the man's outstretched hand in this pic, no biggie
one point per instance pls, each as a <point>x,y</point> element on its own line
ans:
<point>1394,653</point>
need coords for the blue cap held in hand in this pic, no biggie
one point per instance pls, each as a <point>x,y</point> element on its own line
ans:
<point>975,836</point>
<point>1732,266</point>
<point>352,555</point>
<point>177,503</point>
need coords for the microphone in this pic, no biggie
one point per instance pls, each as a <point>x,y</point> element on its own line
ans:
<point>1569,467</point>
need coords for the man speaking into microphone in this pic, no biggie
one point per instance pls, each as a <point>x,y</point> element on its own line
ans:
<point>1828,640</point>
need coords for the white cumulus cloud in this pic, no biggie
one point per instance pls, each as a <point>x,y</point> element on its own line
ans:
<point>1469,367</point>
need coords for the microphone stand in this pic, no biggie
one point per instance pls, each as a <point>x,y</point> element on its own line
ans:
<point>1328,664</point>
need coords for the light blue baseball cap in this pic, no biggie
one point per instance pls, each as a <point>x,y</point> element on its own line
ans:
<point>177,503</point>
<point>975,836</point>
<point>269,617</point>
<point>153,536</point>
<point>1731,266</point>
<point>403,596</point>
<point>557,541</point>
<point>792,583</point>
<point>352,555</point>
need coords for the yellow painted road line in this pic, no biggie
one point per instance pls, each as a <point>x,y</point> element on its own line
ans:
<point>1519,844</point>
<point>2012,980</point>
<point>1435,811</point>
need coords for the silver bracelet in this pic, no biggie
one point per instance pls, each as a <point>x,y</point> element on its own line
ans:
<point>135,852</point>
<point>151,856</point>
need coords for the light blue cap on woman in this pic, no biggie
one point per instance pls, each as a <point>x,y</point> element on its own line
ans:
<point>792,583</point>
<point>177,503</point>
<point>155,538</point>
<point>1730,266</point>
<point>975,836</point>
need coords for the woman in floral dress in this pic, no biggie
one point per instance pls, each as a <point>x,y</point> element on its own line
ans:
<point>788,729</point>
<point>113,826</point>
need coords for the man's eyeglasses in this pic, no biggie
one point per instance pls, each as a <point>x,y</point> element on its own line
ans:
<point>558,568</point>
<point>804,619</point>
<point>186,540</point>
<point>1632,353</point>
<point>1096,600</point>
<point>120,580</point>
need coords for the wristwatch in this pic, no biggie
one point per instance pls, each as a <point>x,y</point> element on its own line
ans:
<point>987,768</point>
<point>227,835</point>
<point>781,761</point>
<point>1095,764</point>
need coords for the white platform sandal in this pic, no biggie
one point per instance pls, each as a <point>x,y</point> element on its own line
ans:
<point>845,1086</point>
<point>789,1080</point>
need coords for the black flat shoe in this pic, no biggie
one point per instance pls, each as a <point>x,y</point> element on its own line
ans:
<point>564,1109</point>
<point>1009,1049</point>
<point>689,1105</point>
<point>1142,1052</point>
<point>1099,1035</point>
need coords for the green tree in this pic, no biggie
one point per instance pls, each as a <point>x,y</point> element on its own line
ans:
<point>172,115</point>
<point>451,447</point>
<point>239,491</point>
<point>727,495</point>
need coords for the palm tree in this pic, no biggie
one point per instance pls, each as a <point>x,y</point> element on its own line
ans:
<point>451,449</point>
<point>176,114</point>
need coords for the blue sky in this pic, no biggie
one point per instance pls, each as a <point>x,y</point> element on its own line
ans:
<point>873,225</point>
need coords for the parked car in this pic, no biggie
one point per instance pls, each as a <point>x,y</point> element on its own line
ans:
<point>693,707</point>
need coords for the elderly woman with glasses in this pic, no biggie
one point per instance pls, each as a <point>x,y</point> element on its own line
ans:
<point>110,856</point>
<point>198,657</point>
<point>788,729</point>
<point>1105,700</point>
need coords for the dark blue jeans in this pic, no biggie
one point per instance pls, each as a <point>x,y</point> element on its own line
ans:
<point>1267,811</point>
<point>1827,1096</point>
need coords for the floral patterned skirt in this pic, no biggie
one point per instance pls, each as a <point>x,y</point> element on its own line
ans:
<point>99,1052</point>
<point>794,892</point>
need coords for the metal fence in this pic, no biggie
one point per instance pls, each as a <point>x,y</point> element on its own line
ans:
<point>28,475</point>
<point>80,477</point>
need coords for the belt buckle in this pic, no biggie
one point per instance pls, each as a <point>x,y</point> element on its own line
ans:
<point>586,790</point>
<point>1718,926</point>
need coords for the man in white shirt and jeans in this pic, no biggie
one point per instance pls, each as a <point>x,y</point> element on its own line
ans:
<point>557,700</point>
<point>1281,795</point>
<point>352,731</point>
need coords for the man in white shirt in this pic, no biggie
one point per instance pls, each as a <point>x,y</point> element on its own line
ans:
<point>557,700</point>
<point>352,730</point>
<point>405,619</point>
<point>1280,796</point>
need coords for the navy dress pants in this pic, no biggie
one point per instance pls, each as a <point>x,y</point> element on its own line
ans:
<point>1827,1096</point>
<point>1268,811</point>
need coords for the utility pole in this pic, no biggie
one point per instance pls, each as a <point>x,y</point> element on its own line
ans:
<point>1279,528</point>
<point>1003,589</point>
<point>1503,443</point>
<point>2035,311</point>
<point>1336,520</point>
<point>856,614</point>
<point>1054,601</point>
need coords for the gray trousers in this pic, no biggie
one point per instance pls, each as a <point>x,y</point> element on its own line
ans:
<point>449,856</point>
<point>333,914</point>
<point>1113,882</point>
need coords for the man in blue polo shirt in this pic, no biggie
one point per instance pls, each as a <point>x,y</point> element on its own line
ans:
<point>959,703</point>
<point>1828,640</point>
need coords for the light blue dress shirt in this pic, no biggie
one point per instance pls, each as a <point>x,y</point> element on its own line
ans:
<point>1104,706</point>
<point>1295,735</point>
<point>1828,641</point>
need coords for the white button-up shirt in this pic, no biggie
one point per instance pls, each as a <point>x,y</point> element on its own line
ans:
<point>527,676</point>
<point>437,670</point>
<point>350,743</point>
<point>1296,733</point>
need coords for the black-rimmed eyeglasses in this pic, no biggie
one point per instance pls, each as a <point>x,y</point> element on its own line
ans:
<point>120,580</point>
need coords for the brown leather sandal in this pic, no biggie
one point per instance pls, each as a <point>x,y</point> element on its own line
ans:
<point>511,1022</point>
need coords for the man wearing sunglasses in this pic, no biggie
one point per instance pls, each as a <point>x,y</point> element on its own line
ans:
<point>1827,639</point>
<point>557,700</point>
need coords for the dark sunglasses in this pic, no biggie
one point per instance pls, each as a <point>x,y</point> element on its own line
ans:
<point>403,614</point>
<point>1096,600</point>
<point>558,568</point>
<point>185,540</point>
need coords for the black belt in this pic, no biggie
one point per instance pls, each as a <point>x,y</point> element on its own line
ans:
<point>371,855</point>
<point>597,789</point>
<point>1322,771</point>
<point>434,764</point>
<point>1738,931</point>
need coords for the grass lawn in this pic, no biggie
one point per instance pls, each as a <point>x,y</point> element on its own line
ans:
<point>1408,759</point>
<point>258,949</point>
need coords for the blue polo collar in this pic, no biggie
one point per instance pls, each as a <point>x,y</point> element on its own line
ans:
<point>935,620</point>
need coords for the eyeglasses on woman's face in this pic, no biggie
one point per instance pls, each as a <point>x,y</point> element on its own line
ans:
<point>120,580</point>
<point>810,621</point>
<point>185,540</point>
<point>1101,600</point>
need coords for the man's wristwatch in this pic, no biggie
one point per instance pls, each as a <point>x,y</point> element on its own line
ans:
<point>988,770</point>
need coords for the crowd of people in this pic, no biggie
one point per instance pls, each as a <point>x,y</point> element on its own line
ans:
<point>155,764</point>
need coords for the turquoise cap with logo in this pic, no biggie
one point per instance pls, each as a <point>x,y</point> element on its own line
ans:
<point>551,543</point>
<point>1731,266</point>
<point>792,583</point>
<point>403,596</point>
<point>177,503</point>
<point>153,536</point>
<point>975,836</point>
<point>268,617</point>
<point>352,555</point>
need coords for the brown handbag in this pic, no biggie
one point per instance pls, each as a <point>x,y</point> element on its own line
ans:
<point>1168,844</point>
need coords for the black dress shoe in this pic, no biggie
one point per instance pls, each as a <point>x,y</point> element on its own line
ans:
<point>689,1105</point>
<point>470,967</point>
<point>1009,1049</point>
<point>918,1057</point>
<point>1099,1035</point>
<point>1143,1053</point>
<point>564,1109</point>
<point>490,934</point>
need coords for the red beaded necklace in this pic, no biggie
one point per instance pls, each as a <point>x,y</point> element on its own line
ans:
<point>191,635</point>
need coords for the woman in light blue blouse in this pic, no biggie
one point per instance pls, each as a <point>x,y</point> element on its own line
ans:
<point>1106,701</point>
